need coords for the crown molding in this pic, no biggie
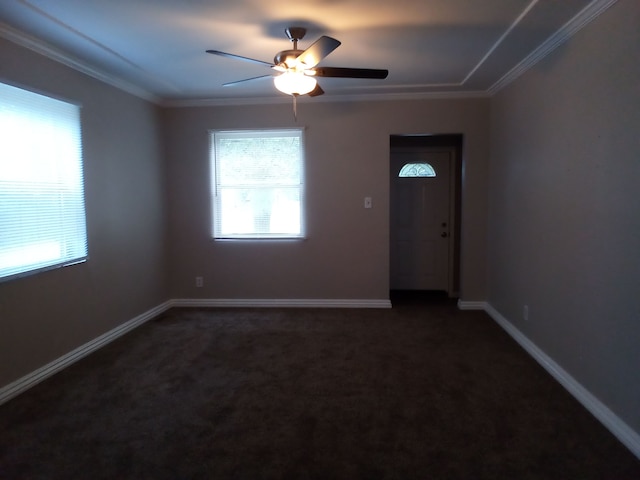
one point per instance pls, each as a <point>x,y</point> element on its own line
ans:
<point>588,14</point>
<point>498,42</point>
<point>370,97</point>
<point>582,19</point>
<point>39,46</point>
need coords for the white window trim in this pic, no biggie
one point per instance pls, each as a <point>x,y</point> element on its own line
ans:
<point>33,248</point>
<point>214,199</point>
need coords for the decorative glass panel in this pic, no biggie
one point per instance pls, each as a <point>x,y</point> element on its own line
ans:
<point>417,170</point>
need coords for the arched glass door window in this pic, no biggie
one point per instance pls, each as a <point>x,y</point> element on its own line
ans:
<point>417,170</point>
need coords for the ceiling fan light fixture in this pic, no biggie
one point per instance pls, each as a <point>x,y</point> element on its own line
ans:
<point>294,82</point>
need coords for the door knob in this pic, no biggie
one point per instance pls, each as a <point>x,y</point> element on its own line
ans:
<point>443,234</point>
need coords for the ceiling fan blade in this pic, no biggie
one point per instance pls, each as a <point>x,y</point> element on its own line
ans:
<point>231,84</point>
<point>316,52</point>
<point>239,57</point>
<point>339,72</point>
<point>316,91</point>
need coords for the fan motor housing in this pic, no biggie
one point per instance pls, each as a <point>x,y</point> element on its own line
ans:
<point>286,58</point>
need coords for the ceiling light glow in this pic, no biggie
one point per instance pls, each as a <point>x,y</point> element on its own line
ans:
<point>294,82</point>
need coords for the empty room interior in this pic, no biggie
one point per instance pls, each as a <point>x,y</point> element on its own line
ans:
<point>527,113</point>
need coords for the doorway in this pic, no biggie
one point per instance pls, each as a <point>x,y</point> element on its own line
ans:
<point>425,179</point>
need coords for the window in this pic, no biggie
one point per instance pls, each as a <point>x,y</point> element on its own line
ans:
<point>257,184</point>
<point>42,217</point>
<point>417,170</point>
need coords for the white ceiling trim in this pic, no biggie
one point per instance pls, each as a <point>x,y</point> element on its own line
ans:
<point>371,97</point>
<point>588,14</point>
<point>36,45</point>
<point>515,23</point>
<point>39,46</point>
<point>78,33</point>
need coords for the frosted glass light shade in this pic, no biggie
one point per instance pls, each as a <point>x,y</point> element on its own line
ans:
<point>292,82</point>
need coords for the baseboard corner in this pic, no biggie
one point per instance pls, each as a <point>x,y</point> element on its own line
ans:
<point>471,305</point>
<point>623,432</point>
<point>24,383</point>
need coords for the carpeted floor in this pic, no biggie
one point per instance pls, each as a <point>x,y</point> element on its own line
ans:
<point>420,391</point>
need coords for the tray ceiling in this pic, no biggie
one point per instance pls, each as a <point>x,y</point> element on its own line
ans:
<point>430,47</point>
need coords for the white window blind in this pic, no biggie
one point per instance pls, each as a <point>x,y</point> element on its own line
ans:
<point>42,215</point>
<point>257,183</point>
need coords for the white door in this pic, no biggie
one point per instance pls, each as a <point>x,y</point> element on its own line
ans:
<point>420,222</point>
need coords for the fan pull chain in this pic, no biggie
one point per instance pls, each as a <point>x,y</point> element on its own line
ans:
<point>295,107</point>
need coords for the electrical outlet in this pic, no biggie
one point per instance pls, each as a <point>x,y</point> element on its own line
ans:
<point>199,282</point>
<point>525,312</point>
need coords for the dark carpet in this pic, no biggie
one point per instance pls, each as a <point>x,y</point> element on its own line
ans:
<point>420,391</point>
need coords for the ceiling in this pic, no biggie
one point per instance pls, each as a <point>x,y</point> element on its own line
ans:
<point>156,48</point>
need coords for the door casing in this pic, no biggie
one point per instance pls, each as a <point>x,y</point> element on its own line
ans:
<point>451,143</point>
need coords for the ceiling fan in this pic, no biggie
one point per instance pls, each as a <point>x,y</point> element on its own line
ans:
<point>298,68</point>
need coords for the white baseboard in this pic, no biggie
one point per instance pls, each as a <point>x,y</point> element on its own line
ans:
<point>624,433</point>
<point>468,305</point>
<point>22,384</point>
<point>610,420</point>
<point>285,303</point>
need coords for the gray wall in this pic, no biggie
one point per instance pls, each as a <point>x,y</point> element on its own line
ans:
<point>563,226</point>
<point>346,254</point>
<point>46,315</point>
<point>564,223</point>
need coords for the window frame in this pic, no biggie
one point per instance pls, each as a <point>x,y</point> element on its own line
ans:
<point>215,186</point>
<point>72,248</point>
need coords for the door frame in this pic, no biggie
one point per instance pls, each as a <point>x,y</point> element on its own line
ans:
<point>439,143</point>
